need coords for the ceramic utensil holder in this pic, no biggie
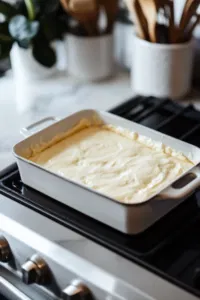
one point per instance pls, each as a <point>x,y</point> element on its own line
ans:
<point>123,44</point>
<point>25,67</point>
<point>162,70</point>
<point>90,58</point>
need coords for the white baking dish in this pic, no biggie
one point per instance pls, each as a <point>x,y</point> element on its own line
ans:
<point>130,219</point>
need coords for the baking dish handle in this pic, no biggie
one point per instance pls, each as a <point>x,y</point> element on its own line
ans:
<point>189,188</point>
<point>28,131</point>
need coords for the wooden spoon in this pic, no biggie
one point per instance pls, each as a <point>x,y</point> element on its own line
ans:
<point>184,13</point>
<point>87,15</point>
<point>110,7</point>
<point>82,6</point>
<point>172,27</point>
<point>190,10</point>
<point>149,8</point>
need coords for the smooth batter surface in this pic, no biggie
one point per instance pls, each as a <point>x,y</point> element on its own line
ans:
<point>116,164</point>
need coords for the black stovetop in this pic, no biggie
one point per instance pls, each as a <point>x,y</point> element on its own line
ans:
<point>171,247</point>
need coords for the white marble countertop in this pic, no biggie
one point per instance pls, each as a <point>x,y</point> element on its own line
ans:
<point>22,104</point>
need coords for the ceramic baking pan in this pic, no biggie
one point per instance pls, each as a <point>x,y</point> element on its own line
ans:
<point>127,218</point>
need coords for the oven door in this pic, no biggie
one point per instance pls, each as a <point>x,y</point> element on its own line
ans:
<point>9,292</point>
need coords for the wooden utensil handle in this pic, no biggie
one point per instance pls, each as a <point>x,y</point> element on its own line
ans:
<point>172,28</point>
<point>110,7</point>
<point>184,13</point>
<point>86,15</point>
<point>65,5</point>
<point>191,9</point>
<point>141,22</point>
<point>191,29</point>
<point>82,5</point>
<point>149,10</point>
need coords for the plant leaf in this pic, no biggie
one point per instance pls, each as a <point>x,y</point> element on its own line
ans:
<point>7,10</point>
<point>50,27</point>
<point>5,38</point>
<point>44,54</point>
<point>22,30</point>
<point>30,9</point>
<point>45,7</point>
<point>5,48</point>
<point>4,29</point>
<point>25,43</point>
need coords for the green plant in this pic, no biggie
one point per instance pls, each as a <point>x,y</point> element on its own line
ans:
<point>47,7</point>
<point>31,24</point>
<point>22,30</point>
<point>7,12</point>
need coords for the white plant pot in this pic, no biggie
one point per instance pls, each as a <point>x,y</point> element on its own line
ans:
<point>61,55</point>
<point>124,44</point>
<point>90,58</point>
<point>25,67</point>
<point>162,70</point>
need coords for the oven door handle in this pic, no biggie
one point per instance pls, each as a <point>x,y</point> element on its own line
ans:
<point>10,291</point>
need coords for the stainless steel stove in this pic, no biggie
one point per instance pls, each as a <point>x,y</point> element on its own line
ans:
<point>50,251</point>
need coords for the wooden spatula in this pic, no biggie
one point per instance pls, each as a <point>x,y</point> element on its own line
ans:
<point>131,5</point>
<point>140,21</point>
<point>149,9</point>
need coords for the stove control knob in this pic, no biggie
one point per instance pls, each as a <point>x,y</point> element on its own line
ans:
<point>76,291</point>
<point>35,270</point>
<point>5,252</point>
<point>196,278</point>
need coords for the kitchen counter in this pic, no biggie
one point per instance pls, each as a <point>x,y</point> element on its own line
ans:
<point>24,103</point>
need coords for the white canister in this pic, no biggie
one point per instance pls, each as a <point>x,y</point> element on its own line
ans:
<point>123,44</point>
<point>90,58</point>
<point>25,67</point>
<point>162,70</point>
